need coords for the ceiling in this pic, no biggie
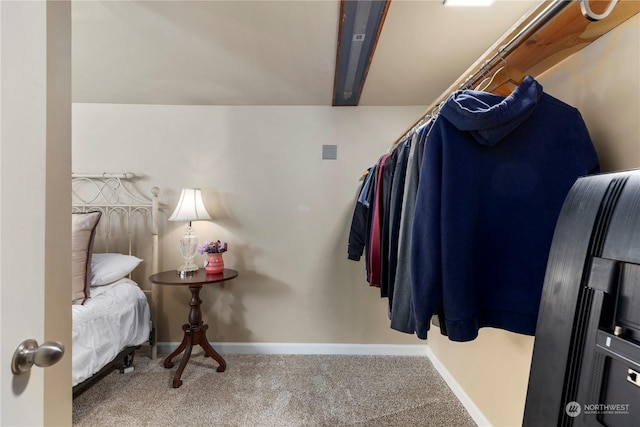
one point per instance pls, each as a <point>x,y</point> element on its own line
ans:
<point>270,52</point>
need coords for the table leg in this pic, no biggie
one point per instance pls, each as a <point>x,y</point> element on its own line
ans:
<point>167,362</point>
<point>194,334</point>
<point>177,382</point>
<point>209,351</point>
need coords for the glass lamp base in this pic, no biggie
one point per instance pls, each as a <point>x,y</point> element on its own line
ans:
<point>188,247</point>
<point>187,269</point>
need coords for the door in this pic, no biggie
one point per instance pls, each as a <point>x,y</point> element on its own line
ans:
<point>35,225</point>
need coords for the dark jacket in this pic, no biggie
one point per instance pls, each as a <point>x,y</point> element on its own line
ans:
<point>358,230</point>
<point>493,178</point>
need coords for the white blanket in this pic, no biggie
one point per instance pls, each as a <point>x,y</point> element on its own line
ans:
<point>116,316</point>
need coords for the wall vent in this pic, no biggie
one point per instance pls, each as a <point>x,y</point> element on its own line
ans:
<point>329,152</point>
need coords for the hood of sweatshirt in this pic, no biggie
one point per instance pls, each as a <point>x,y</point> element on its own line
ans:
<point>490,118</point>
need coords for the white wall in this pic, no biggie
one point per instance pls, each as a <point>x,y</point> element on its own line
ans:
<point>283,210</point>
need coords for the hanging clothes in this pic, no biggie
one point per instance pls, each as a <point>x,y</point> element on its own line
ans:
<point>386,184</point>
<point>395,215</point>
<point>377,214</point>
<point>494,175</point>
<point>401,312</point>
<point>359,230</point>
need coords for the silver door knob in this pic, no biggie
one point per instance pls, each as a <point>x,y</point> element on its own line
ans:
<point>29,353</point>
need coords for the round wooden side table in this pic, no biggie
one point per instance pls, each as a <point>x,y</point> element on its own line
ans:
<point>195,330</point>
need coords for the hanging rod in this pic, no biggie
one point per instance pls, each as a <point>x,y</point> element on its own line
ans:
<point>534,25</point>
<point>528,26</point>
<point>538,21</point>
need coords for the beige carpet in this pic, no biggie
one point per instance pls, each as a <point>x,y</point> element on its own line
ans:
<point>275,390</point>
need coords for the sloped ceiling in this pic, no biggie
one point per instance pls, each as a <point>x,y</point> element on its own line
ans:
<point>269,52</point>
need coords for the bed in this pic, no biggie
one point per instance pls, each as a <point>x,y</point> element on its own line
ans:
<point>114,250</point>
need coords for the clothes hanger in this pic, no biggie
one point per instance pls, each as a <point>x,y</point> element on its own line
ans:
<point>504,80</point>
<point>485,81</point>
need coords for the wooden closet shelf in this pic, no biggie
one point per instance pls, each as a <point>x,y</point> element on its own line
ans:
<point>564,34</point>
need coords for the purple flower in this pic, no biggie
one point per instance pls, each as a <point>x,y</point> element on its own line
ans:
<point>212,247</point>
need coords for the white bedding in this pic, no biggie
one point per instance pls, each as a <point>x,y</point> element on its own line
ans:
<point>116,316</point>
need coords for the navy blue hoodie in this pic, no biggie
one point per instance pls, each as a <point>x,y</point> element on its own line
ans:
<point>494,174</point>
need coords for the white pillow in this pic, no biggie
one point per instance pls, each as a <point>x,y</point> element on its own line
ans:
<point>109,267</point>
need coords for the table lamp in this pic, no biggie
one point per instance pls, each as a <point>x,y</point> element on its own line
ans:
<point>190,208</point>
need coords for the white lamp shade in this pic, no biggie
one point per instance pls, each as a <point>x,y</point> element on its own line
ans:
<point>190,206</point>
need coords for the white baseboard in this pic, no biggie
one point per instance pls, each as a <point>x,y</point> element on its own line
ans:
<point>308,348</point>
<point>457,389</point>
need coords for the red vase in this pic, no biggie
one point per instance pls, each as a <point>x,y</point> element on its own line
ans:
<point>215,264</point>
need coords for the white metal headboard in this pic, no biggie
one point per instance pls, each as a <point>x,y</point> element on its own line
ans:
<point>114,195</point>
<point>121,204</point>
